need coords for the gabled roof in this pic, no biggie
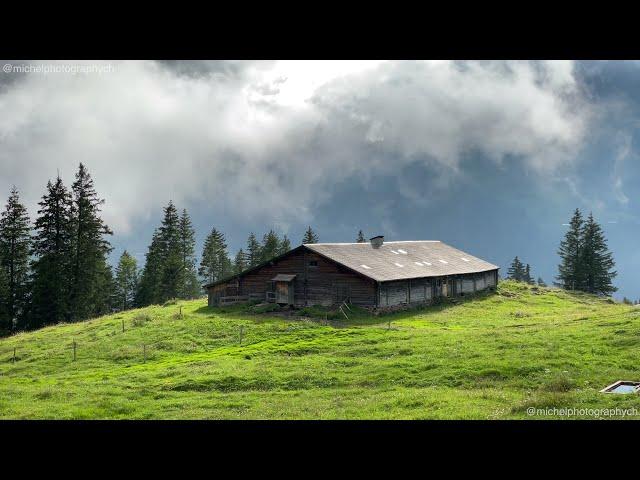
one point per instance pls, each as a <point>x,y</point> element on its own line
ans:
<point>402,260</point>
<point>392,260</point>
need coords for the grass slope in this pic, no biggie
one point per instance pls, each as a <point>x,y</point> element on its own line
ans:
<point>492,356</point>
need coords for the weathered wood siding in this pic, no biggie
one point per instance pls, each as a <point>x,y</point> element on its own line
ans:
<point>422,290</point>
<point>318,281</point>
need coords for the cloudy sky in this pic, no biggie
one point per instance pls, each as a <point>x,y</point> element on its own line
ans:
<point>491,157</point>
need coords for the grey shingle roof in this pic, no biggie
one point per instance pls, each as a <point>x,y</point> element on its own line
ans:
<point>401,260</point>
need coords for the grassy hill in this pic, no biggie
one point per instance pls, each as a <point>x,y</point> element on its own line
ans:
<point>492,356</point>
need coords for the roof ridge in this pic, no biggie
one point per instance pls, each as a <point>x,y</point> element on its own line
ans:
<point>367,243</point>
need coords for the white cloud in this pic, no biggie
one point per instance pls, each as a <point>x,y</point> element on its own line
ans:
<point>268,139</point>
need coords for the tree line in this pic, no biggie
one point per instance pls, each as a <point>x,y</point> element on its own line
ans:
<point>56,269</point>
<point>586,264</point>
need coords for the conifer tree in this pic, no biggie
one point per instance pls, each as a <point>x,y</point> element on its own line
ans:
<point>360,238</point>
<point>53,249</point>
<point>310,236</point>
<point>240,262</point>
<point>596,261</point>
<point>6,324</point>
<point>215,263</point>
<point>126,281</point>
<point>190,286</point>
<point>285,245</point>
<point>15,245</point>
<point>254,253</point>
<point>516,271</point>
<point>172,276</point>
<point>90,273</point>
<point>149,286</point>
<point>541,282</point>
<point>527,275</point>
<point>270,246</point>
<point>570,272</point>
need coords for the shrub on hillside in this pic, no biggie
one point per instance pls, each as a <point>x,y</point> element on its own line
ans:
<point>140,319</point>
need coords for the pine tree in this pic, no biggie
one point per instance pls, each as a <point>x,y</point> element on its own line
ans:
<point>190,286</point>
<point>52,247</point>
<point>149,286</point>
<point>360,238</point>
<point>570,271</point>
<point>105,299</point>
<point>90,273</point>
<point>270,246</point>
<point>15,245</point>
<point>172,276</point>
<point>253,251</point>
<point>541,282</point>
<point>516,271</point>
<point>126,281</point>
<point>596,260</point>
<point>215,263</point>
<point>527,275</point>
<point>164,276</point>
<point>6,324</point>
<point>310,236</point>
<point>285,246</point>
<point>240,262</point>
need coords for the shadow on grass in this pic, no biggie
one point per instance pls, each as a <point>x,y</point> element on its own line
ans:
<point>356,316</point>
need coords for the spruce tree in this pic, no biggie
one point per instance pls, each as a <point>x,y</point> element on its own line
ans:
<point>126,281</point>
<point>285,246</point>
<point>516,270</point>
<point>253,251</point>
<point>172,276</point>
<point>541,282</point>
<point>360,238</point>
<point>215,263</point>
<point>6,324</point>
<point>527,275</point>
<point>596,261</point>
<point>149,286</point>
<point>190,286</point>
<point>570,271</point>
<point>270,246</point>
<point>15,245</point>
<point>53,251</point>
<point>240,262</point>
<point>90,273</point>
<point>310,236</point>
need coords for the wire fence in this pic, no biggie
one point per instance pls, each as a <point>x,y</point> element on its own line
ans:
<point>73,350</point>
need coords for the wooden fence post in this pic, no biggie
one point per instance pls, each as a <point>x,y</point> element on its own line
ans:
<point>241,331</point>
<point>123,325</point>
<point>74,350</point>
<point>14,354</point>
<point>144,353</point>
<point>180,311</point>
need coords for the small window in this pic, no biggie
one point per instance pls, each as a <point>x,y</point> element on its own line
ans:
<point>313,263</point>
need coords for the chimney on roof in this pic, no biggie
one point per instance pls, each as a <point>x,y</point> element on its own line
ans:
<point>377,241</point>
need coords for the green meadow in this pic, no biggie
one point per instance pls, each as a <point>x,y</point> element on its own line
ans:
<point>492,356</point>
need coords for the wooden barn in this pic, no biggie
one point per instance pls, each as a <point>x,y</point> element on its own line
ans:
<point>376,275</point>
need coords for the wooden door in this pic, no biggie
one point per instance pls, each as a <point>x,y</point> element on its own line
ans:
<point>282,292</point>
